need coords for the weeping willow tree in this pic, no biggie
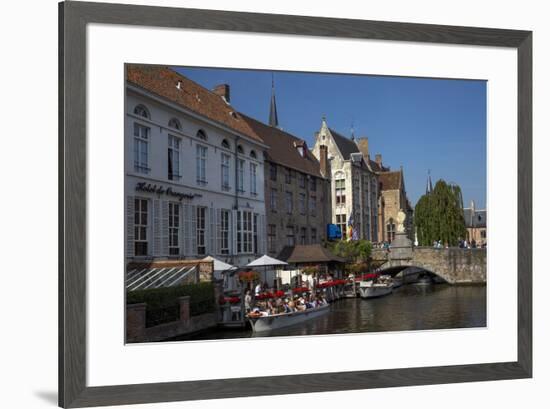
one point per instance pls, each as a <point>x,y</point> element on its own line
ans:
<point>439,215</point>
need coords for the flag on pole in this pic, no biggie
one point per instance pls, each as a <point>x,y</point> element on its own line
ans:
<point>351,233</point>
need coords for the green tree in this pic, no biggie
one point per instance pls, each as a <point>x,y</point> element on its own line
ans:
<point>355,250</point>
<point>439,215</point>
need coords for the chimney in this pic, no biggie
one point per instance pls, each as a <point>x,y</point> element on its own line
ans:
<point>378,159</point>
<point>323,160</point>
<point>363,145</point>
<point>223,91</point>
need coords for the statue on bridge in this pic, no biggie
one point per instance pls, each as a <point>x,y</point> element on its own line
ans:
<point>401,217</point>
<point>401,246</point>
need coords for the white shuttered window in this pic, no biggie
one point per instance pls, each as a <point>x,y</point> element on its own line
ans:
<point>173,228</point>
<point>224,232</point>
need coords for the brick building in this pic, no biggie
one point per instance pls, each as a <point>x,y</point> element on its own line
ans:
<point>297,193</point>
<point>393,199</point>
<point>476,225</point>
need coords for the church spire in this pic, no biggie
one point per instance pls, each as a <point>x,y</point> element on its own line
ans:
<point>429,187</point>
<point>273,118</point>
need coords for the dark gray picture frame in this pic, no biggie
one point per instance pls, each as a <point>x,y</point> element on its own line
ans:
<point>73,18</point>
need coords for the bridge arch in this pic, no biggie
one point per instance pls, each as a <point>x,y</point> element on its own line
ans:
<point>453,265</point>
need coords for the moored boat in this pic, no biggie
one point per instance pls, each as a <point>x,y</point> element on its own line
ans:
<point>276,321</point>
<point>376,288</point>
<point>397,282</point>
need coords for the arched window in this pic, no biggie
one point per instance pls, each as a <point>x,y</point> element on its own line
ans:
<point>174,123</point>
<point>253,154</point>
<point>240,149</point>
<point>225,144</point>
<point>201,135</point>
<point>390,230</point>
<point>140,110</point>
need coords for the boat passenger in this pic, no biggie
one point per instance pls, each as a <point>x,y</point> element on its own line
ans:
<point>247,301</point>
<point>270,308</point>
<point>258,289</point>
<point>301,306</point>
<point>291,306</point>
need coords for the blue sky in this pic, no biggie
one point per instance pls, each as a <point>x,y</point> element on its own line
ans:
<point>418,123</point>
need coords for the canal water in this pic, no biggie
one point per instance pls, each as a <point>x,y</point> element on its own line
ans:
<point>410,307</point>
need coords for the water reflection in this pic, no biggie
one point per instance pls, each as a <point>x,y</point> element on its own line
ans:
<point>411,307</point>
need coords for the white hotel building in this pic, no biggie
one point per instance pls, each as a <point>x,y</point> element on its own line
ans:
<point>194,172</point>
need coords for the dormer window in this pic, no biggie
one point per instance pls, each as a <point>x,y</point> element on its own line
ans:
<point>301,148</point>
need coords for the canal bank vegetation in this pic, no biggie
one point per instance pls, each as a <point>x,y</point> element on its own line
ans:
<point>356,251</point>
<point>163,303</point>
<point>439,215</point>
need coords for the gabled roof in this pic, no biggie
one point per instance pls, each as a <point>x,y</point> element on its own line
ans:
<point>390,180</point>
<point>475,218</point>
<point>163,81</point>
<point>376,167</point>
<point>345,145</point>
<point>282,147</point>
<point>310,253</point>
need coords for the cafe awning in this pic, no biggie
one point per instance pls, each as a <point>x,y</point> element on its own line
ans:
<point>266,261</point>
<point>220,267</point>
<point>148,278</point>
<point>161,273</point>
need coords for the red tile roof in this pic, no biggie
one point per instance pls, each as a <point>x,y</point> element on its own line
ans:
<point>162,81</point>
<point>283,148</point>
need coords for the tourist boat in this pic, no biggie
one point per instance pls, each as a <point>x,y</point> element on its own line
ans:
<point>397,282</point>
<point>383,285</point>
<point>271,322</point>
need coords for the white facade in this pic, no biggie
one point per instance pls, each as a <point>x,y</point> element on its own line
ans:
<point>354,186</point>
<point>181,196</point>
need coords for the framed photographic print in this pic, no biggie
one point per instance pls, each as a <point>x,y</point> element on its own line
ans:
<point>300,192</point>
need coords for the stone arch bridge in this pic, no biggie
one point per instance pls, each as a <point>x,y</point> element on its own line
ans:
<point>453,265</point>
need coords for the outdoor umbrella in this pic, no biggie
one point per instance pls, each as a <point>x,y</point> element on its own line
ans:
<point>220,267</point>
<point>266,261</point>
